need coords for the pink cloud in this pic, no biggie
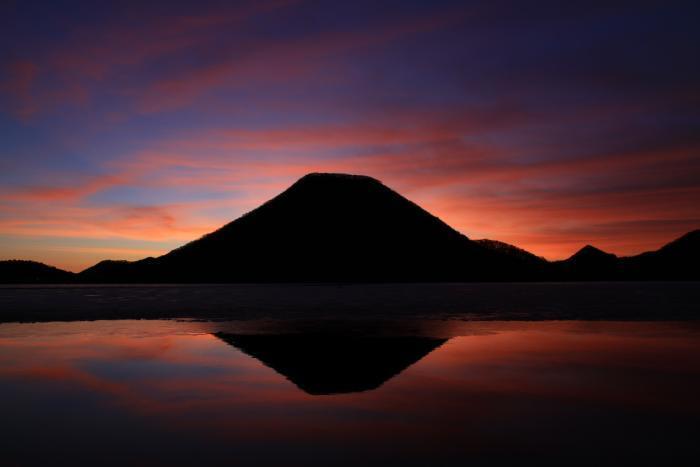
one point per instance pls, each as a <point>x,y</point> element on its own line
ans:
<point>278,61</point>
<point>63,72</point>
<point>19,86</point>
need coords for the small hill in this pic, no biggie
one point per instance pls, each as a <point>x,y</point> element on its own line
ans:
<point>589,263</point>
<point>32,272</point>
<point>591,254</point>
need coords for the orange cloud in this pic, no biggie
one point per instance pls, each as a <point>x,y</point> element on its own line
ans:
<point>78,190</point>
<point>550,206</point>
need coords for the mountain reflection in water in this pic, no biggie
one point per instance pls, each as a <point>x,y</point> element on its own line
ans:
<point>407,393</point>
<point>328,364</point>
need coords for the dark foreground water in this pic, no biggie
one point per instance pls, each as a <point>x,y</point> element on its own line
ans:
<point>412,392</point>
<point>501,301</point>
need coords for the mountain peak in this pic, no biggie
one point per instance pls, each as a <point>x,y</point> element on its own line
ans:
<point>332,181</point>
<point>335,176</point>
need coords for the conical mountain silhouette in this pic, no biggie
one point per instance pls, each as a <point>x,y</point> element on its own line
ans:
<point>332,364</point>
<point>352,228</point>
<point>327,227</point>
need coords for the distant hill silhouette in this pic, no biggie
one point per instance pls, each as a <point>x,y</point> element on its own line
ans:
<point>119,271</point>
<point>31,272</point>
<point>333,364</point>
<point>678,260</point>
<point>352,228</point>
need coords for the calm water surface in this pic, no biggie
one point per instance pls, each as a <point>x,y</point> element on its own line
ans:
<point>349,393</point>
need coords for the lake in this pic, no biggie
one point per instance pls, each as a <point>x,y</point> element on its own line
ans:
<point>349,392</point>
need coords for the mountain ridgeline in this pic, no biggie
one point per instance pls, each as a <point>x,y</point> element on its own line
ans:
<point>352,228</point>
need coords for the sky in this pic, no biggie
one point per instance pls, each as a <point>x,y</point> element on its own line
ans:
<point>130,128</point>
